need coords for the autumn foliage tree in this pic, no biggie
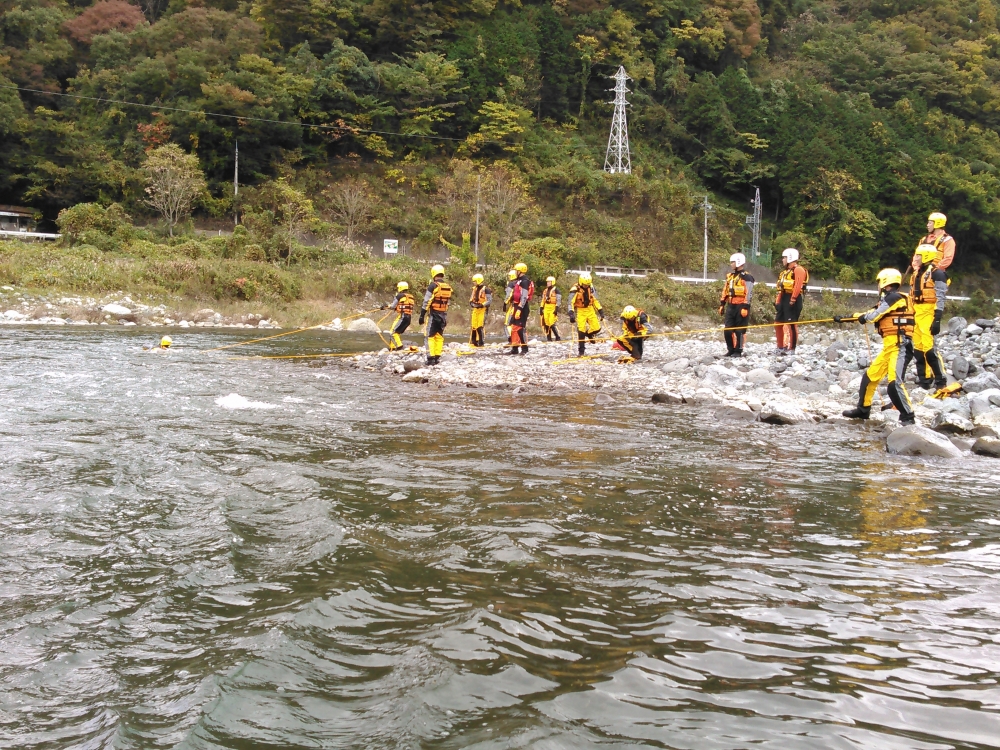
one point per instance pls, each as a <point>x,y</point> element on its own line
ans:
<point>174,181</point>
<point>102,17</point>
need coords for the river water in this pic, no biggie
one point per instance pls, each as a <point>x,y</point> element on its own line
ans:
<point>203,552</point>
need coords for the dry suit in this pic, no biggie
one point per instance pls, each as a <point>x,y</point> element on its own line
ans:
<point>435,312</point>
<point>479,303</point>
<point>929,287</point>
<point>508,309</point>
<point>634,332</point>
<point>893,319</point>
<point>735,306</point>
<point>585,310</point>
<point>549,312</point>
<point>520,296</point>
<point>403,305</point>
<point>792,283</point>
<point>945,245</point>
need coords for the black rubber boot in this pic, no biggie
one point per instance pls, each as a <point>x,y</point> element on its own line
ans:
<point>524,349</point>
<point>513,350</point>
<point>430,360</point>
<point>858,412</point>
<point>581,349</point>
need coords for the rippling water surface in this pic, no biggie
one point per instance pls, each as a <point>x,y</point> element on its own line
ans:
<point>212,553</point>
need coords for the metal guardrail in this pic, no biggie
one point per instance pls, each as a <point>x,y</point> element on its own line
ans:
<point>45,236</point>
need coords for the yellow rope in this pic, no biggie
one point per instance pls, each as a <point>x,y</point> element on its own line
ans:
<point>296,356</point>
<point>286,333</point>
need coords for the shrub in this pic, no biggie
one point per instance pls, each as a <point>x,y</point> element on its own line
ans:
<point>112,221</point>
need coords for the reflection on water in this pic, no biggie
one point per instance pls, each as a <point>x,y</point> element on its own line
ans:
<point>333,559</point>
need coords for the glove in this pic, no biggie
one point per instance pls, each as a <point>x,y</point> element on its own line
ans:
<point>600,315</point>
<point>383,307</point>
<point>860,319</point>
<point>423,317</point>
<point>722,309</point>
<point>936,325</point>
<point>838,319</point>
<point>745,311</point>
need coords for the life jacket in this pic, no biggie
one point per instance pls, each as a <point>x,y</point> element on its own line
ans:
<point>520,292</point>
<point>922,288</point>
<point>898,321</point>
<point>635,326</point>
<point>478,295</point>
<point>405,303</point>
<point>936,241</point>
<point>549,295</point>
<point>584,296</point>
<point>735,290</point>
<point>440,297</point>
<point>786,280</point>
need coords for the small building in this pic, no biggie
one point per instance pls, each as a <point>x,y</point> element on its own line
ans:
<point>17,219</point>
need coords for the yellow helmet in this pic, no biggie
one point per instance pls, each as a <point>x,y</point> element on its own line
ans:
<point>166,341</point>
<point>437,270</point>
<point>477,279</point>
<point>521,267</point>
<point>550,280</point>
<point>926,252</point>
<point>939,220</point>
<point>630,313</point>
<point>511,275</point>
<point>888,277</point>
<point>402,286</point>
<point>585,278</point>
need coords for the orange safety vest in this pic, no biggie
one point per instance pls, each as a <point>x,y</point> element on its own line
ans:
<point>405,303</point>
<point>440,297</point>
<point>786,280</point>
<point>549,295</point>
<point>735,290</point>
<point>897,322</point>
<point>923,290</point>
<point>478,295</point>
<point>584,297</point>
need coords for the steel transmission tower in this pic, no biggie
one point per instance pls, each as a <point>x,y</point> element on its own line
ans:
<point>618,159</point>
<point>753,222</point>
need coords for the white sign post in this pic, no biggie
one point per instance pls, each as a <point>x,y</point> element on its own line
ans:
<point>390,247</point>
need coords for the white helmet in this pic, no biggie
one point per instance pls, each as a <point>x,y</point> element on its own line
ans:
<point>739,259</point>
<point>790,255</point>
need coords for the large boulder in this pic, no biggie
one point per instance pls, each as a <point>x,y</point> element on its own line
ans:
<point>990,420</point>
<point>718,376</point>
<point>987,446</point>
<point>417,376</point>
<point>973,330</point>
<point>913,440</point>
<point>783,412</point>
<point>952,423</point>
<point>117,311</point>
<point>667,398</point>
<point>960,367</point>
<point>734,411</point>
<point>981,382</point>
<point>956,325</point>
<point>365,325</point>
<point>986,323</point>
<point>984,402</point>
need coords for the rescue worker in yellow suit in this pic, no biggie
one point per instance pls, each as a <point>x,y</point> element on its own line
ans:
<point>893,319</point>
<point>520,296</point>
<point>402,304</point>
<point>635,328</point>
<point>436,300</point>
<point>943,242</point>
<point>734,305</point>
<point>585,311</point>
<point>479,304</point>
<point>929,290</point>
<point>508,310</point>
<point>548,310</point>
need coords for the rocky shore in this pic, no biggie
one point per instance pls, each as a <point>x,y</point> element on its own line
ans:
<point>816,384</point>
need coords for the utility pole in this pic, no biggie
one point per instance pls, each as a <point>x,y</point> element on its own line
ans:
<point>707,207</point>
<point>753,221</point>
<point>618,160</point>
<point>236,185</point>
<point>479,190</point>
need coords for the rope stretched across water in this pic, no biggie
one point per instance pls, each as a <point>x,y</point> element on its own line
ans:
<point>288,333</point>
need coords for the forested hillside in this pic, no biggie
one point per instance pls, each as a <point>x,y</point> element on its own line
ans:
<point>855,118</point>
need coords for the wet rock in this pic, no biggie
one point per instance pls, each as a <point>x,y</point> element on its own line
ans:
<point>678,365</point>
<point>702,396</point>
<point>667,398</point>
<point>956,325</point>
<point>411,366</point>
<point>952,423</point>
<point>987,446</point>
<point>833,351</point>
<point>14,315</point>
<point>783,412</point>
<point>984,430</point>
<point>960,367</point>
<point>914,440</point>
<point>734,411</point>
<point>600,399</point>
<point>984,402</point>
<point>760,376</point>
<point>366,325</point>
<point>981,382</point>
<point>720,377</point>
<point>417,376</point>
<point>521,389</point>
<point>755,404</point>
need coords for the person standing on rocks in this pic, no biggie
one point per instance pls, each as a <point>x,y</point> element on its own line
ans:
<point>585,311</point>
<point>635,328</point>
<point>734,305</point>
<point>508,310</point>
<point>436,300</point>
<point>520,296</point>
<point>893,319</point>
<point>929,289</point>
<point>792,283</point>
<point>943,242</point>
<point>479,303</point>
<point>403,304</point>
<point>548,310</point>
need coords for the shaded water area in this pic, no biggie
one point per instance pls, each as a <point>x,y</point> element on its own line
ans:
<point>331,558</point>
